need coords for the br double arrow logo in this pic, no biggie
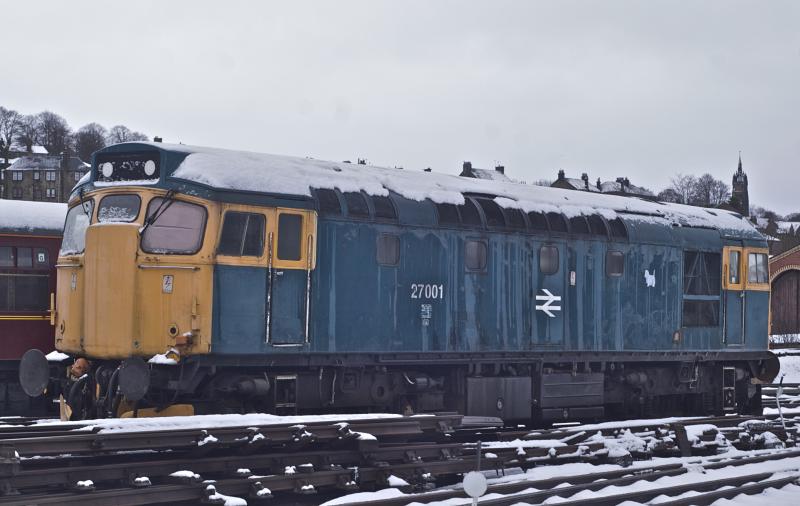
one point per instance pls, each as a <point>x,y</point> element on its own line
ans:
<point>548,306</point>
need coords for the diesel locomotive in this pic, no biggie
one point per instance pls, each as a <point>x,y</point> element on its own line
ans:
<point>30,235</point>
<point>199,280</point>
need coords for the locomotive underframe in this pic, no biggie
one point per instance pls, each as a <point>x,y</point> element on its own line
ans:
<point>545,387</point>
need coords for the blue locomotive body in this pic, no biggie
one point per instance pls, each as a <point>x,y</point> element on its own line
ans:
<point>482,297</point>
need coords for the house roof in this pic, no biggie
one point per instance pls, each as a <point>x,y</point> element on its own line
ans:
<point>491,175</point>
<point>46,162</point>
<point>616,186</point>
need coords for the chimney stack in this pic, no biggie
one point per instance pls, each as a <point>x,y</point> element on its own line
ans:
<point>500,169</point>
<point>585,178</point>
<point>561,174</point>
<point>157,139</point>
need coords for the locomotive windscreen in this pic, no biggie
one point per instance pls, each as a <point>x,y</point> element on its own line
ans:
<point>138,167</point>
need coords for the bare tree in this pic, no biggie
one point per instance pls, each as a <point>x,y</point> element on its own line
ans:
<point>669,195</point>
<point>28,135</point>
<point>760,212</point>
<point>88,139</point>
<point>683,186</point>
<point>121,133</point>
<point>54,132</point>
<point>9,128</point>
<point>709,191</point>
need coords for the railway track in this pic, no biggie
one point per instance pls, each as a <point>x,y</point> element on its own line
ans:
<point>318,459</point>
<point>568,487</point>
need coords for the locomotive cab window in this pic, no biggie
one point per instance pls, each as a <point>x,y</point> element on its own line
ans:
<point>242,234</point>
<point>388,249</point>
<point>548,260</point>
<point>757,270</point>
<point>290,236</point>
<point>119,208</point>
<point>701,288</point>
<point>475,255</point>
<point>78,220</point>
<point>735,261</point>
<point>176,227</point>
<point>615,264</point>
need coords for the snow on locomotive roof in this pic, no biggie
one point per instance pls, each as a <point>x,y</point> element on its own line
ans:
<point>240,170</point>
<point>23,215</point>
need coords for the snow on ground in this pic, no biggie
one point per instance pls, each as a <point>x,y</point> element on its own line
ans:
<point>208,421</point>
<point>787,495</point>
<point>790,368</point>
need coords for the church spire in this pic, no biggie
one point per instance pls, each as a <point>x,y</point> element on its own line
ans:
<point>739,196</point>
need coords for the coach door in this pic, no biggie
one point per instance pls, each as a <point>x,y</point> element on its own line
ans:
<point>733,295</point>
<point>292,243</point>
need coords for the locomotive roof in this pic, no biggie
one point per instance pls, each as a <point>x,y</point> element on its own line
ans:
<point>295,176</point>
<point>36,218</point>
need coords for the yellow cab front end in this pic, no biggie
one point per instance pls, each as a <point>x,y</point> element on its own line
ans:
<point>135,275</point>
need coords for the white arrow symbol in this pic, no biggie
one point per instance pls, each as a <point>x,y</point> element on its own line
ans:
<point>548,306</point>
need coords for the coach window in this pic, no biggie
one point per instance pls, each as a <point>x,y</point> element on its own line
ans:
<point>615,264</point>
<point>475,255</point>
<point>548,260</point>
<point>176,227</point>
<point>24,258</point>
<point>290,234</point>
<point>119,208</point>
<point>78,219</point>
<point>701,288</point>
<point>388,249</point>
<point>242,235</point>
<point>6,256</point>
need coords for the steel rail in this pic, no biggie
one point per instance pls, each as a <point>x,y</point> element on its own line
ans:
<point>97,442</point>
<point>545,486</point>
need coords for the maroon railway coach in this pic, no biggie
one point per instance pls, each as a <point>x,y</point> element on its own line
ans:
<point>30,237</point>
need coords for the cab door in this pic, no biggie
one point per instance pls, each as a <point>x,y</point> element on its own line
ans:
<point>756,297</point>
<point>292,242</point>
<point>733,296</point>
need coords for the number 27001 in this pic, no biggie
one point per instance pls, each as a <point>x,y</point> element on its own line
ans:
<point>425,291</point>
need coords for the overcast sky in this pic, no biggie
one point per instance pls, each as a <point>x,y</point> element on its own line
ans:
<point>640,89</point>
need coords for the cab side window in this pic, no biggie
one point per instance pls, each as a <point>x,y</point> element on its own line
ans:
<point>290,231</point>
<point>242,234</point>
<point>757,268</point>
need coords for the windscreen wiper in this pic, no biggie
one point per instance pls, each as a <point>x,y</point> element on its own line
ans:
<point>169,198</point>
<point>83,206</point>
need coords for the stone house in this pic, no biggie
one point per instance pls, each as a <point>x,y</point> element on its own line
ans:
<point>42,177</point>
